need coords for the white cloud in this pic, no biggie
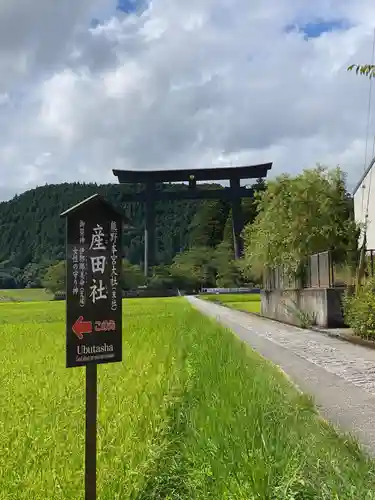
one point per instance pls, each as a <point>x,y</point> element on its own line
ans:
<point>185,84</point>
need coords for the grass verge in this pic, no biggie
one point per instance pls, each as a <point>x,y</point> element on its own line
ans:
<point>248,302</point>
<point>192,413</point>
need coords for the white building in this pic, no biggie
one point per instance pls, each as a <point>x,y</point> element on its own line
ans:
<point>364,203</point>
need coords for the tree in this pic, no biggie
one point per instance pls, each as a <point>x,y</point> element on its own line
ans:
<point>132,276</point>
<point>194,268</point>
<point>161,278</point>
<point>299,216</point>
<point>54,279</point>
<point>207,226</point>
<point>249,211</point>
<point>33,274</point>
<point>227,271</point>
<point>363,69</point>
<point>248,275</point>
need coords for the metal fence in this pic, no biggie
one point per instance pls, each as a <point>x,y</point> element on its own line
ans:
<point>278,278</point>
<point>322,270</point>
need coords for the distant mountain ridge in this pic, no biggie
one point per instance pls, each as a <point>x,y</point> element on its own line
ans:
<point>32,230</point>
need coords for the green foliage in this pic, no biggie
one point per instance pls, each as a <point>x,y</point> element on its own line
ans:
<point>161,279</point>
<point>132,276</point>
<point>28,277</point>
<point>359,310</point>
<point>207,226</point>
<point>31,275</point>
<point>227,270</point>
<point>248,274</point>
<point>305,319</point>
<point>298,216</point>
<point>363,69</point>
<point>54,279</point>
<point>194,268</point>
<point>249,211</point>
<point>33,232</point>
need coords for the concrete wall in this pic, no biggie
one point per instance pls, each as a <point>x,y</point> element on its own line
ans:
<point>322,305</point>
<point>365,196</point>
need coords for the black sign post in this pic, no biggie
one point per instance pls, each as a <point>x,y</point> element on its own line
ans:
<point>93,304</point>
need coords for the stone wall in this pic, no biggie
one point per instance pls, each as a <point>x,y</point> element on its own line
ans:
<point>321,305</point>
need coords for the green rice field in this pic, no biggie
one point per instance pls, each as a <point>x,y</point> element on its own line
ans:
<point>192,413</point>
<point>248,302</point>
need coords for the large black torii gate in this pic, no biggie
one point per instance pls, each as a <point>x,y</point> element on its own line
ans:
<point>149,196</point>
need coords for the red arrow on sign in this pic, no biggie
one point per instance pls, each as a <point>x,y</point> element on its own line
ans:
<point>80,327</point>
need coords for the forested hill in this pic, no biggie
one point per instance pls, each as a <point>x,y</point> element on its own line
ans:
<point>32,232</point>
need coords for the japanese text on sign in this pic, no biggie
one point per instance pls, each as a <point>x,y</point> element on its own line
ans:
<point>114,275</point>
<point>81,264</point>
<point>75,262</point>
<point>98,291</point>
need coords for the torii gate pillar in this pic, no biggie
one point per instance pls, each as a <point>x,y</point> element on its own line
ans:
<point>237,216</point>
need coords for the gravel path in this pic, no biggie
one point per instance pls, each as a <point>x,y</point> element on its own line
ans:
<point>340,375</point>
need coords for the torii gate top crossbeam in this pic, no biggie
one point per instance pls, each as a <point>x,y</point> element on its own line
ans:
<point>203,174</point>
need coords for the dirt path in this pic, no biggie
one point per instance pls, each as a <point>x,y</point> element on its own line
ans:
<point>339,375</point>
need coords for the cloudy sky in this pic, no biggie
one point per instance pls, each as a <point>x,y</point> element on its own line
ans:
<point>91,85</point>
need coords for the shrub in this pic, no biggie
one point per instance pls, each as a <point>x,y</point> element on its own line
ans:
<point>54,279</point>
<point>7,281</point>
<point>359,310</point>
